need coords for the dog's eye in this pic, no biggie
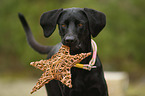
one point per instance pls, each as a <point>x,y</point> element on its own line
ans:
<point>80,25</point>
<point>63,25</point>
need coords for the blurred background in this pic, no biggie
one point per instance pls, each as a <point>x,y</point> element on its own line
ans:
<point>121,44</point>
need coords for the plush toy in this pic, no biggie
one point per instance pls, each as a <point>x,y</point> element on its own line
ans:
<point>58,67</point>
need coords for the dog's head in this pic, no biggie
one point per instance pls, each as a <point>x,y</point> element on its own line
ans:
<point>76,25</point>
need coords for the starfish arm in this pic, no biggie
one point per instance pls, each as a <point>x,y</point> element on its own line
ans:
<point>42,64</point>
<point>84,55</point>
<point>79,57</point>
<point>44,79</point>
<point>67,79</point>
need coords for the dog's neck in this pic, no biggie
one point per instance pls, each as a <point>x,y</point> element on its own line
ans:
<point>87,48</point>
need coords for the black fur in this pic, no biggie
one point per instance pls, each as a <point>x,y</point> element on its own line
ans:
<point>76,26</point>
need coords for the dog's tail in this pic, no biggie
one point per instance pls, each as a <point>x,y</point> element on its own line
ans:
<point>32,42</point>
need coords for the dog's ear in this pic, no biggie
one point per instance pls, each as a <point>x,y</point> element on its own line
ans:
<point>97,21</point>
<point>48,21</point>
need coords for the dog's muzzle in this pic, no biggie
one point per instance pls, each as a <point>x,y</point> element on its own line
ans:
<point>70,41</point>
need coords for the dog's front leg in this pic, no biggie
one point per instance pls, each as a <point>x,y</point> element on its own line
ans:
<point>53,88</point>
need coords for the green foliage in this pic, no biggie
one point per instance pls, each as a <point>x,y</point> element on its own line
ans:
<point>120,45</point>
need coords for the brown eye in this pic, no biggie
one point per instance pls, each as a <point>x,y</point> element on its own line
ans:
<point>63,25</point>
<point>80,25</point>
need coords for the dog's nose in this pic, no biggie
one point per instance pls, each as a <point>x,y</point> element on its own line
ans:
<point>69,40</point>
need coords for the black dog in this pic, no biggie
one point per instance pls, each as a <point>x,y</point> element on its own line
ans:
<point>76,26</point>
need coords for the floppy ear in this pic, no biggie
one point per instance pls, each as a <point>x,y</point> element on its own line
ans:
<point>97,21</point>
<point>48,21</point>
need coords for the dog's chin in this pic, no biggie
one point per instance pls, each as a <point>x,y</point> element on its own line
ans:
<point>75,49</point>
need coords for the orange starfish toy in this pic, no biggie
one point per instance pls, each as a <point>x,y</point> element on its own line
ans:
<point>58,67</point>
